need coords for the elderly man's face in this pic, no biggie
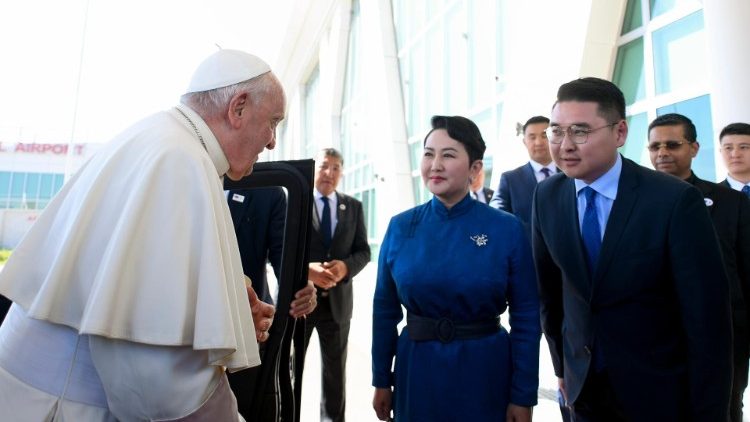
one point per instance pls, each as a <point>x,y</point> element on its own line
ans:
<point>258,132</point>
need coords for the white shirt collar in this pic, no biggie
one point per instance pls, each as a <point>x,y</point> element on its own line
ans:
<point>735,184</point>
<point>606,184</point>
<point>538,167</point>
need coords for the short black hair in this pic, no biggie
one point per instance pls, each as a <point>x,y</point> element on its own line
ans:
<point>675,119</point>
<point>462,130</point>
<point>738,128</point>
<point>333,153</point>
<point>607,95</point>
<point>534,120</point>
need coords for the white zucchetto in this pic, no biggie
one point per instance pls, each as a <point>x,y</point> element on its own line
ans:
<point>224,68</point>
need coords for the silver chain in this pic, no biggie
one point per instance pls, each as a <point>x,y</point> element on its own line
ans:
<point>200,137</point>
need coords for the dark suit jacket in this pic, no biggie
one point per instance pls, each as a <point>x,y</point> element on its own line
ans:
<point>657,302</point>
<point>487,194</point>
<point>349,244</point>
<point>730,212</point>
<point>259,216</point>
<point>515,192</point>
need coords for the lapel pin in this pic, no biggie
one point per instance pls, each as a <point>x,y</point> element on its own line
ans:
<point>479,239</point>
<point>342,207</point>
<point>708,201</point>
<point>238,198</point>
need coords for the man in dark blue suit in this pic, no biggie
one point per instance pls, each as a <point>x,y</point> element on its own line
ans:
<point>634,297</point>
<point>259,217</point>
<point>672,145</point>
<point>735,151</point>
<point>517,186</point>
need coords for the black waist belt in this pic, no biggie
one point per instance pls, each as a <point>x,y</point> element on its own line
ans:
<point>444,329</point>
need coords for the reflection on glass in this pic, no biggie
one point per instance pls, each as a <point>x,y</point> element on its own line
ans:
<point>659,7</point>
<point>635,145</point>
<point>678,52</point>
<point>633,18</point>
<point>629,73</point>
<point>699,111</point>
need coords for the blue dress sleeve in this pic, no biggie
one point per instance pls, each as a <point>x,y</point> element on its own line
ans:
<point>386,314</point>
<point>525,334</point>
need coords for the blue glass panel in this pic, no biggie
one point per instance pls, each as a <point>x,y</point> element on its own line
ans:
<point>45,186</point>
<point>699,111</point>
<point>4,184</point>
<point>680,54</point>
<point>633,18</point>
<point>629,73</point>
<point>635,145</point>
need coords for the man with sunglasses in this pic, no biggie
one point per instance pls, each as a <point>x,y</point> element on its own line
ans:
<point>672,145</point>
<point>634,298</point>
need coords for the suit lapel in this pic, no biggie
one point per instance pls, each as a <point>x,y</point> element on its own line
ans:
<point>315,218</point>
<point>529,177</point>
<point>627,196</point>
<point>341,210</point>
<point>236,209</point>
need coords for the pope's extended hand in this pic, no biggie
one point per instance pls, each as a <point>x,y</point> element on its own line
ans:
<point>262,315</point>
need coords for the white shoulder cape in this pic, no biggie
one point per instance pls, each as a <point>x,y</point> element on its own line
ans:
<point>140,246</point>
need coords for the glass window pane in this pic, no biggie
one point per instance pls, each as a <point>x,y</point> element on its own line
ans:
<point>680,54</point>
<point>45,186</point>
<point>4,184</point>
<point>629,74</point>
<point>481,40</point>
<point>57,184</point>
<point>659,7</point>
<point>415,153</point>
<point>17,183</point>
<point>699,111</point>
<point>456,58</point>
<point>501,48</point>
<point>633,18</point>
<point>635,145</point>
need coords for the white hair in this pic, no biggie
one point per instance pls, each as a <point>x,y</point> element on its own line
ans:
<point>214,102</point>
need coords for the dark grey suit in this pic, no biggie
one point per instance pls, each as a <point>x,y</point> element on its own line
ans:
<point>331,317</point>
<point>730,212</point>
<point>656,306</point>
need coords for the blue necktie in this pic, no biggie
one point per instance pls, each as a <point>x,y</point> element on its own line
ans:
<point>591,233</point>
<point>746,190</point>
<point>546,172</point>
<point>325,223</point>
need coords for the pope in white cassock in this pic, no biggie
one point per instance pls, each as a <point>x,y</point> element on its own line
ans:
<point>129,297</point>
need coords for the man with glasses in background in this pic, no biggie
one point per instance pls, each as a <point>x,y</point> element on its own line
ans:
<point>672,145</point>
<point>634,299</point>
<point>735,150</point>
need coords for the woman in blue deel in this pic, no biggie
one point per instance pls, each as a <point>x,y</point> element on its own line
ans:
<point>455,264</point>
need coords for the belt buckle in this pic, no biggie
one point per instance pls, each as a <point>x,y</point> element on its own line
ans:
<point>445,330</point>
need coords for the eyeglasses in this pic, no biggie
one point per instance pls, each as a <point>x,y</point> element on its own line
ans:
<point>578,134</point>
<point>669,145</point>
